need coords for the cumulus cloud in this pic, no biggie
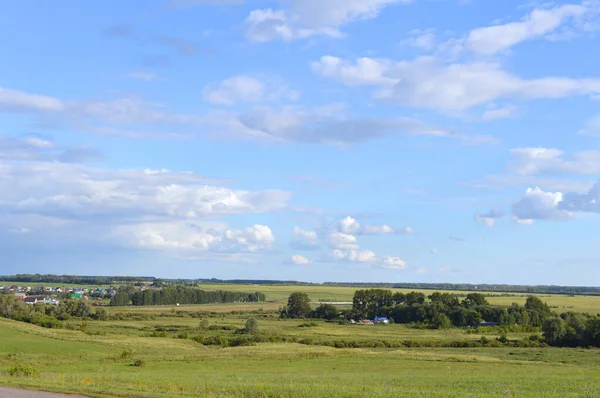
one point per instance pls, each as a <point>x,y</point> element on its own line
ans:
<point>489,219</point>
<point>539,205</point>
<point>305,240</point>
<point>243,88</point>
<point>339,242</point>
<point>300,19</point>
<point>430,83</point>
<point>66,203</point>
<point>190,236</point>
<point>349,225</point>
<point>300,260</point>
<point>390,262</point>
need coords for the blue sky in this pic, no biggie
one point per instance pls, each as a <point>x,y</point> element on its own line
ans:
<point>338,140</point>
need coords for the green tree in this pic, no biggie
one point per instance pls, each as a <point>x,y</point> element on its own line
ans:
<point>475,300</point>
<point>298,305</point>
<point>325,311</point>
<point>441,321</point>
<point>554,330</point>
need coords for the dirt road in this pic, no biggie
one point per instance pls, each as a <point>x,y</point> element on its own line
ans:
<point>14,393</point>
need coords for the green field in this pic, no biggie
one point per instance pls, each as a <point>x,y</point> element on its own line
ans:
<point>95,358</point>
<point>76,362</point>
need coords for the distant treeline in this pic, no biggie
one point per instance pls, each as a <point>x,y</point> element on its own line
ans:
<point>73,279</point>
<point>181,295</point>
<point>494,288</point>
<point>539,289</point>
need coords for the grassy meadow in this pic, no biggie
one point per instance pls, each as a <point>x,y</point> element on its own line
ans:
<point>158,352</point>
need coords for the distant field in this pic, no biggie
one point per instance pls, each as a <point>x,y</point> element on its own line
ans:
<point>279,294</point>
<point>100,365</point>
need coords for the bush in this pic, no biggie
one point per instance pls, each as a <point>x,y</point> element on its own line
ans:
<point>22,370</point>
<point>216,340</point>
<point>158,334</point>
<point>308,325</point>
<point>139,363</point>
<point>251,326</point>
<point>199,339</point>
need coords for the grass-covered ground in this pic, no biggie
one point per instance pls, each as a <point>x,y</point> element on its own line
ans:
<point>297,358</point>
<point>98,362</point>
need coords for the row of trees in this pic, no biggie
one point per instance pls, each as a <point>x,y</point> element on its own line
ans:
<point>72,279</point>
<point>501,288</point>
<point>48,315</point>
<point>128,295</point>
<point>441,310</point>
<point>572,330</point>
<point>438,310</point>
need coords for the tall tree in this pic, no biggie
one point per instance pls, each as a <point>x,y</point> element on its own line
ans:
<point>298,305</point>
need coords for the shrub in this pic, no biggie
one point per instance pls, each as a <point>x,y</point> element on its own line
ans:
<point>183,335</point>
<point>199,339</point>
<point>22,370</point>
<point>240,341</point>
<point>251,326</point>
<point>158,334</point>
<point>308,325</point>
<point>216,340</point>
<point>139,363</point>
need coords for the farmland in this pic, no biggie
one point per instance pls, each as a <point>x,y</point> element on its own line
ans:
<point>189,350</point>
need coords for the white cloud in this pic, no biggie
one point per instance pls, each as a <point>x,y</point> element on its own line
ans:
<point>499,113</point>
<point>300,19</point>
<point>342,241</point>
<point>423,39</point>
<point>247,89</point>
<point>235,89</point>
<point>267,25</point>
<point>349,225</point>
<point>19,101</point>
<point>524,221</point>
<point>390,262</point>
<point>532,161</point>
<point>189,236</point>
<point>330,126</point>
<point>71,191</point>
<point>489,219</point>
<point>429,83</point>
<point>539,205</point>
<point>305,240</point>
<point>355,256</point>
<point>300,260</point>
<point>538,23</point>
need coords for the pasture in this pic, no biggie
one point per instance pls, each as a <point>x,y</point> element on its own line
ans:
<point>101,365</point>
<point>162,351</point>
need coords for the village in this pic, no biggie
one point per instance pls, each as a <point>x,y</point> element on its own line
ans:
<point>52,295</point>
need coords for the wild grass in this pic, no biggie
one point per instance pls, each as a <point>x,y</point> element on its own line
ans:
<point>123,362</point>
